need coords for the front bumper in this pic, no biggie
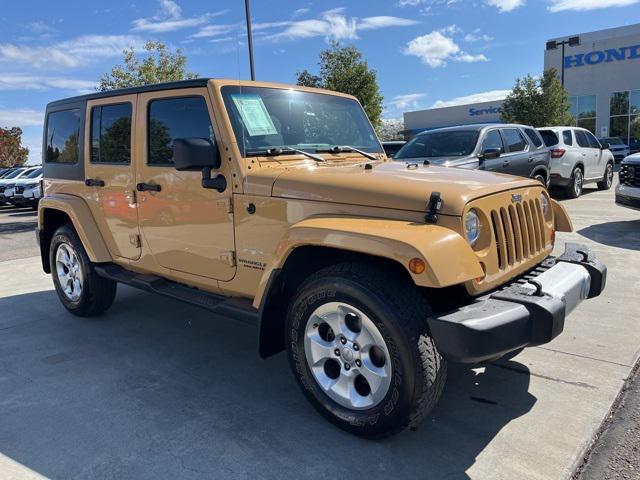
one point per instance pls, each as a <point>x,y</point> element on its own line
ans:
<point>529,311</point>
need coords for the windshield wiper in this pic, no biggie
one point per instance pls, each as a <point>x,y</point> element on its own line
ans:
<point>274,152</point>
<point>346,148</point>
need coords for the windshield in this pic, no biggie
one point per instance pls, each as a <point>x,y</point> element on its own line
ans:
<point>36,173</point>
<point>452,143</point>
<point>614,141</point>
<point>14,174</point>
<point>264,118</point>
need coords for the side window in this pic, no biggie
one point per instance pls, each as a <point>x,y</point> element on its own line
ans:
<point>493,140</point>
<point>593,141</point>
<point>168,119</point>
<point>111,134</point>
<point>514,140</point>
<point>581,138</point>
<point>567,138</point>
<point>533,136</point>
<point>63,132</point>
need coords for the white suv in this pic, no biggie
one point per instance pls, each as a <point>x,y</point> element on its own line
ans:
<point>577,158</point>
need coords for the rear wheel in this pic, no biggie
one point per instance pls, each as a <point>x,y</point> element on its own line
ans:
<point>607,180</point>
<point>360,349</point>
<point>574,187</point>
<point>78,286</point>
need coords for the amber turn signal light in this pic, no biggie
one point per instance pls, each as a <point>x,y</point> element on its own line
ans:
<point>416,265</point>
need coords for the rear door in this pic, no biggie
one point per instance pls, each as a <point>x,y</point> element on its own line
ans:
<point>188,228</point>
<point>110,175</point>
<point>516,159</point>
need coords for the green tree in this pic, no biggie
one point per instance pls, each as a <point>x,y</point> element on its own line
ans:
<point>158,65</point>
<point>343,69</point>
<point>539,102</point>
<point>12,153</point>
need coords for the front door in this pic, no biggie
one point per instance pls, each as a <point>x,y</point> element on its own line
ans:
<point>187,228</point>
<point>596,168</point>
<point>492,140</point>
<point>109,173</point>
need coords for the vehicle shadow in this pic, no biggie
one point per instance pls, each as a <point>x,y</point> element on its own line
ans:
<point>16,227</point>
<point>158,389</point>
<point>621,234</point>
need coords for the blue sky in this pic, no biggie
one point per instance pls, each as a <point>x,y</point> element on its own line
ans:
<point>426,52</point>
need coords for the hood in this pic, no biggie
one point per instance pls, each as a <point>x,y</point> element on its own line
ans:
<point>390,185</point>
<point>442,161</point>
<point>632,159</point>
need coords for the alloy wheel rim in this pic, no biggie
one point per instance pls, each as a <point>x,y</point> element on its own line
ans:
<point>347,356</point>
<point>609,175</point>
<point>577,184</point>
<point>69,272</point>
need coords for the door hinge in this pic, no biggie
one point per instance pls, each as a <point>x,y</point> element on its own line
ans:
<point>131,197</point>
<point>135,240</point>
<point>229,258</point>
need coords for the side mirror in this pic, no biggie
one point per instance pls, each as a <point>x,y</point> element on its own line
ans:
<point>195,154</point>
<point>199,154</point>
<point>604,146</point>
<point>489,154</point>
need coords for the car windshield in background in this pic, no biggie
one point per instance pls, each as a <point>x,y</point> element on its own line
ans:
<point>266,118</point>
<point>14,174</point>
<point>550,138</point>
<point>613,141</point>
<point>34,174</point>
<point>452,143</point>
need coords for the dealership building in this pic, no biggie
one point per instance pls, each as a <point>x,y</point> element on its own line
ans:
<point>601,75</point>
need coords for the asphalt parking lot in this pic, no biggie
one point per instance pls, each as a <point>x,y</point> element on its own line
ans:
<point>159,389</point>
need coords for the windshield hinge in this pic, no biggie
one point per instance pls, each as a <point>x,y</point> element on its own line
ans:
<point>435,203</point>
<point>228,257</point>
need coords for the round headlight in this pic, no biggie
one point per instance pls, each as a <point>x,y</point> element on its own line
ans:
<point>472,227</point>
<point>544,201</point>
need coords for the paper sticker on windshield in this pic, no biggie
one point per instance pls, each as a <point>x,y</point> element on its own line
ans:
<point>254,114</point>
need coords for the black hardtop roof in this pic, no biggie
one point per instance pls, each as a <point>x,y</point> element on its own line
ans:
<point>196,82</point>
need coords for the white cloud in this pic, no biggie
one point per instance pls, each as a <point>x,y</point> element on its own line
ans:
<point>476,36</point>
<point>489,96</point>
<point>371,23</point>
<point>581,5</point>
<point>435,49</point>
<point>21,118</point>
<point>505,5</point>
<point>38,82</point>
<point>170,19</point>
<point>71,53</point>
<point>410,3</point>
<point>402,102</point>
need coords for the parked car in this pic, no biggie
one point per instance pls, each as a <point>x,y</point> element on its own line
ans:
<point>502,148</point>
<point>27,190</point>
<point>340,256</point>
<point>9,185</point>
<point>634,145</point>
<point>391,147</point>
<point>577,158</point>
<point>617,147</point>
<point>9,180</point>
<point>628,190</point>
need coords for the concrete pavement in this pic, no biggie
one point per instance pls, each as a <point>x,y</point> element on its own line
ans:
<point>159,389</point>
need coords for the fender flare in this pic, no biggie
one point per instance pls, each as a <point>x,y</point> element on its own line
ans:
<point>561,220</point>
<point>449,259</point>
<point>81,218</point>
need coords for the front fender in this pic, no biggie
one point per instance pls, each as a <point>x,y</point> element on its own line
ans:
<point>561,220</point>
<point>448,257</point>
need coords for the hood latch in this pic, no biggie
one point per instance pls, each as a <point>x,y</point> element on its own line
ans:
<point>435,203</point>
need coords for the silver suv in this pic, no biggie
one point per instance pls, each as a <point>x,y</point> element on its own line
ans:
<point>577,158</point>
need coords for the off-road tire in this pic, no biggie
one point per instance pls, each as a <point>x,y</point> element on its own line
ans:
<point>98,293</point>
<point>570,189</point>
<point>607,179</point>
<point>398,310</point>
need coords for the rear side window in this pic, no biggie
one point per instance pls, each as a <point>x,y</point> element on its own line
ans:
<point>550,138</point>
<point>533,136</point>
<point>63,132</point>
<point>185,117</point>
<point>567,138</point>
<point>582,139</point>
<point>593,141</point>
<point>514,140</point>
<point>493,140</point>
<point>111,134</point>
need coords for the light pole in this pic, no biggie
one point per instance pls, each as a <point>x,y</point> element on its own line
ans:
<point>247,9</point>
<point>553,44</point>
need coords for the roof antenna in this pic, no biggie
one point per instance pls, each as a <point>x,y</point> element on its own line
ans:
<point>247,9</point>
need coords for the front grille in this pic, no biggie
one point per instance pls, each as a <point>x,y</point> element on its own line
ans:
<point>630,175</point>
<point>20,189</point>
<point>518,231</point>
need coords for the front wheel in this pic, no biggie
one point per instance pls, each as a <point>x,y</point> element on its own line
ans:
<point>607,180</point>
<point>80,289</point>
<point>360,349</point>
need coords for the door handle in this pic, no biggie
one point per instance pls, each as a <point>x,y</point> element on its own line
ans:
<point>146,187</point>
<point>93,182</point>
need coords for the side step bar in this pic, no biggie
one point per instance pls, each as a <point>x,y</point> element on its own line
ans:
<point>236,308</point>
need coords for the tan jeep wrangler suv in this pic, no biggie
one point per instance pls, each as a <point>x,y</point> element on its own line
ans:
<point>277,204</point>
